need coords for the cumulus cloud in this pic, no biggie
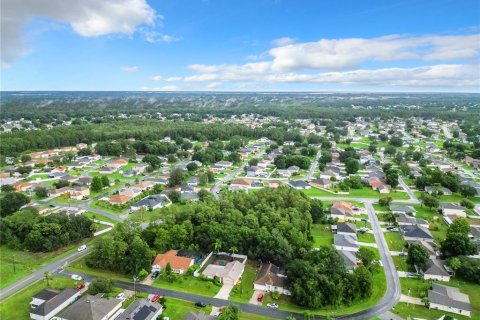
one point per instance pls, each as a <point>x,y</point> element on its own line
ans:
<point>164,88</point>
<point>283,41</point>
<point>158,37</point>
<point>129,69</point>
<point>341,61</point>
<point>87,18</point>
<point>165,79</point>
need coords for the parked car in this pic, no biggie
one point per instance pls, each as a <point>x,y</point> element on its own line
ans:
<point>80,286</point>
<point>76,277</point>
<point>81,248</point>
<point>391,228</point>
<point>155,275</point>
<point>364,219</point>
<point>156,297</point>
<point>121,296</point>
<point>260,297</point>
<point>200,304</point>
<point>403,254</point>
<point>272,306</point>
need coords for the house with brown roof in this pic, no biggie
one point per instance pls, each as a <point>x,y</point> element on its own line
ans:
<point>179,264</point>
<point>274,184</point>
<point>118,163</point>
<point>270,279</point>
<point>22,186</point>
<point>240,184</point>
<point>119,198</point>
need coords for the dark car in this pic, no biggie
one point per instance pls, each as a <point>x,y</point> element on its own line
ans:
<point>364,219</point>
<point>200,304</point>
<point>155,275</point>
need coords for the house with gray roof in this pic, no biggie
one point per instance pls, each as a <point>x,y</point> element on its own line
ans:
<point>152,202</point>
<point>453,209</point>
<point>436,269</point>
<point>92,308</point>
<point>415,232</point>
<point>346,228</point>
<point>403,209</point>
<point>449,299</point>
<point>406,220</point>
<point>47,303</point>
<point>299,184</point>
<point>141,309</point>
<point>345,242</point>
<point>350,259</point>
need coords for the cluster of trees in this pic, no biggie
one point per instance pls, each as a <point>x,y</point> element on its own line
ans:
<point>123,251</point>
<point>391,175</point>
<point>321,279</point>
<point>457,243</point>
<point>27,230</point>
<point>98,183</point>
<point>352,182</point>
<point>285,161</point>
<point>11,201</point>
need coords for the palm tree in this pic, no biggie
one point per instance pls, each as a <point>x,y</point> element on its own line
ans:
<point>47,275</point>
<point>455,264</point>
<point>217,245</point>
<point>233,250</point>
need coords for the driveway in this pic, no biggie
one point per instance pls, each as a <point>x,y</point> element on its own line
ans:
<point>224,292</point>
<point>411,300</point>
<point>253,300</point>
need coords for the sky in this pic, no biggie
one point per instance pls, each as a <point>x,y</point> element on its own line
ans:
<point>257,45</point>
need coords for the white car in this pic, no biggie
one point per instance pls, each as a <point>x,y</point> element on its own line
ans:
<point>121,296</point>
<point>272,306</point>
<point>81,248</point>
<point>76,277</point>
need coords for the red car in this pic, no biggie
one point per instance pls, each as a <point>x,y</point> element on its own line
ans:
<point>260,297</point>
<point>80,286</point>
<point>156,297</point>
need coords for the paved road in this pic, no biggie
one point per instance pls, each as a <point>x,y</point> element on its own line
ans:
<point>412,195</point>
<point>39,274</point>
<point>393,293</point>
<point>366,200</point>
<point>313,166</point>
<point>216,188</point>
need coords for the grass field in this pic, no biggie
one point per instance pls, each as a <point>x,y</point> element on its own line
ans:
<point>17,307</point>
<point>97,216</point>
<point>400,263</point>
<point>322,236</point>
<point>104,205</point>
<point>243,292</point>
<point>366,237</point>
<point>394,241</point>
<point>405,311</point>
<point>189,284</point>
<point>80,266</point>
<point>177,309</point>
<point>354,193</point>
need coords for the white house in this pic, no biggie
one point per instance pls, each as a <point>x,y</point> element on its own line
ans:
<point>270,279</point>
<point>449,299</point>
<point>47,303</point>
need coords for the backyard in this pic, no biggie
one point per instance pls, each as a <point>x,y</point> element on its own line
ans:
<point>322,236</point>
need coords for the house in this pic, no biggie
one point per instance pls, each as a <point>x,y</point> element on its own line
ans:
<point>119,198</point>
<point>199,315</point>
<point>229,273</point>
<point>129,173</point>
<point>21,186</point>
<point>346,228</point>
<point>108,170</point>
<point>408,210</point>
<point>293,169</point>
<point>187,188</point>
<point>270,279</point>
<point>152,202</point>
<point>48,302</point>
<point>141,309</point>
<point>321,183</point>
<point>449,299</point>
<point>140,168</point>
<point>144,185</point>
<point>449,209</point>
<point>299,184</point>
<point>436,269</point>
<point>192,196</point>
<point>429,246</point>
<point>216,168</point>
<point>84,181</point>
<point>179,264</point>
<point>438,189</point>
<point>284,173</point>
<point>79,193</point>
<point>345,242</point>
<point>274,184</point>
<point>415,232</point>
<point>240,184</point>
<point>341,210</point>
<point>254,171</point>
<point>117,164</point>
<point>92,308</point>
<point>406,220</point>
<point>350,259</point>
<point>224,164</point>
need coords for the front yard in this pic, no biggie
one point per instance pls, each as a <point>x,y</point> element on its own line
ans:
<point>189,284</point>
<point>394,241</point>
<point>322,235</point>
<point>243,292</point>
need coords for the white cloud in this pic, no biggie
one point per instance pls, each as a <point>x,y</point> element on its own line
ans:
<point>129,69</point>
<point>285,41</point>
<point>158,37</point>
<point>163,79</point>
<point>164,88</point>
<point>213,85</point>
<point>88,18</point>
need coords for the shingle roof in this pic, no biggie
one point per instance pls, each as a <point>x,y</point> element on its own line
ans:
<point>91,308</point>
<point>416,232</point>
<point>435,267</point>
<point>346,227</point>
<point>449,296</point>
<point>343,240</point>
<point>54,302</point>
<point>269,274</point>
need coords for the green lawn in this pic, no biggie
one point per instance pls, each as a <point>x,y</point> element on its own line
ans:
<point>104,205</point>
<point>97,216</point>
<point>243,292</point>
<point>80,266</point>
<point>113,176</point>
<point>379,287</point>
<point>177,309</point>
<point>146,216</point>
<point>189,284</point>
<point>405,310</point>
<point>400,263</point>
<point>65,199</point>
<point>322,235</point>
<point>355,193</point>
<point>104,191</point>
<point>17,307</point>
<point>394,241</point>
<point>366,237</point>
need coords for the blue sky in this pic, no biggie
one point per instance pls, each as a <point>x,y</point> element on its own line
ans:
<point>241,45</point>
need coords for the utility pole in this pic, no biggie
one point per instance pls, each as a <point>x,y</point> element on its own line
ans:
<point>134,283</point>
<point>14,270</point>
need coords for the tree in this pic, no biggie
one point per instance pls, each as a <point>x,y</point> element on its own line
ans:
<point>364,280</point>
<point>7,188</point>
<point>100,285</point>
<point>11,202</point>
<point>467,204</point>
<point>192,167</point>
<point>168,269</point>
<point>47,276</point>
<point>25,158</point>
<point>176,177</point>
<point>429,201</point>
<point>174,196</point>
<point>459,225</point>
<point>153,161</point>
<point>385,201</point>
<point>455,263</point>
<point>41,192</point>
<point>457,244</point>
<point>105,182</point>
<point>417,255</point>
<point>96,185</point>
<point>229,313</point>
<point>352,166</point>
<point>253,162</point>
<point>467,191</point>
<point>316,210</point>
<point>171,158</point>
<point>217,245</point>
<point>366,256</point>
<point>392,178</point>
<point>61,184</point>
